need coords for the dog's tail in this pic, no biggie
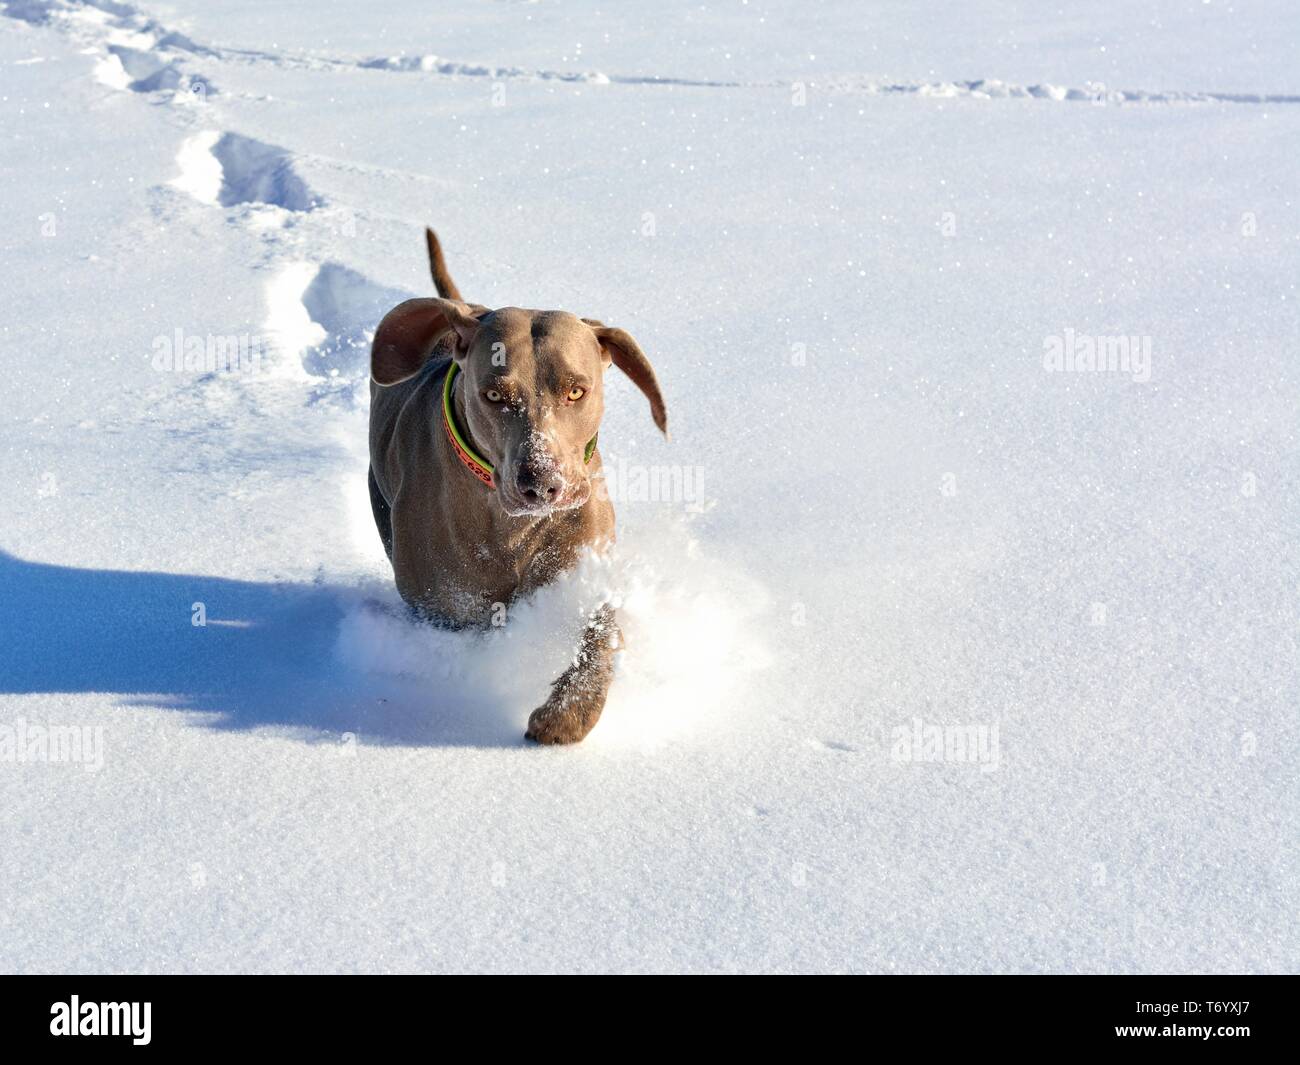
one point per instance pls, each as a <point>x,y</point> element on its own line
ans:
<point>438,267</point>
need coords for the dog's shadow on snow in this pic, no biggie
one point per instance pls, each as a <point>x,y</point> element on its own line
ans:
<point>266,657</point>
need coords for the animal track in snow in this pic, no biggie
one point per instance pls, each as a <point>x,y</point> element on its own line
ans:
<point>980,88</point>
<point>432,64</point>
<point>325,315</point>
<point>322,315</point>
<point>144,71</point>
<point>993,89</point>
<point>231,169</point>
<point>139,53</point>
<point>347,306</point>
<point>253,172</point>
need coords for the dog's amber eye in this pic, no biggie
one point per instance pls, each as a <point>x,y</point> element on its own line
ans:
<point>493,396</point>
<point>576,393</point>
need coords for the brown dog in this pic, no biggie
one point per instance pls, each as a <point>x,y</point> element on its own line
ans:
<point>482,456</point>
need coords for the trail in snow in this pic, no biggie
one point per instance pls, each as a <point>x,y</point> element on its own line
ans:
<point>148,69</point>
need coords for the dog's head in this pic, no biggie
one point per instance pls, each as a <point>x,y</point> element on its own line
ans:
<point>530,391</point>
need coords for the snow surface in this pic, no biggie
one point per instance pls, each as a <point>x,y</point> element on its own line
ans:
<point>844,237</point>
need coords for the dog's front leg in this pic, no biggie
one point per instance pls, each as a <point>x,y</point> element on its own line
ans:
<point>578,695</point>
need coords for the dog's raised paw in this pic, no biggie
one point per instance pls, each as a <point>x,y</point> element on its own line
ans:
<point>554,725</point>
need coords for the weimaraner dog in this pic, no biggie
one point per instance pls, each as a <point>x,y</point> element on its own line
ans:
<point>482,457</point>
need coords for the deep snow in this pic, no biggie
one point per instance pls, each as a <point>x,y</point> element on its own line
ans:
<point>845,240</point>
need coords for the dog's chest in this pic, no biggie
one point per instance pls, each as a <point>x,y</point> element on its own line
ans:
<point>472,580</point>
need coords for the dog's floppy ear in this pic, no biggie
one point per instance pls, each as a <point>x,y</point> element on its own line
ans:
<point>407,336</point>
<point>617,346</point>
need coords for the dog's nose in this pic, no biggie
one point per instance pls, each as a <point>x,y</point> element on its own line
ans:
<point>539,486</point>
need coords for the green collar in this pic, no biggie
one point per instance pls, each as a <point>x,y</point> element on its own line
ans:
<point>478,466</point>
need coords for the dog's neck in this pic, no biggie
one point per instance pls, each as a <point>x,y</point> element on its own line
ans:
<point>458,405</point>
<point>456,429</point>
